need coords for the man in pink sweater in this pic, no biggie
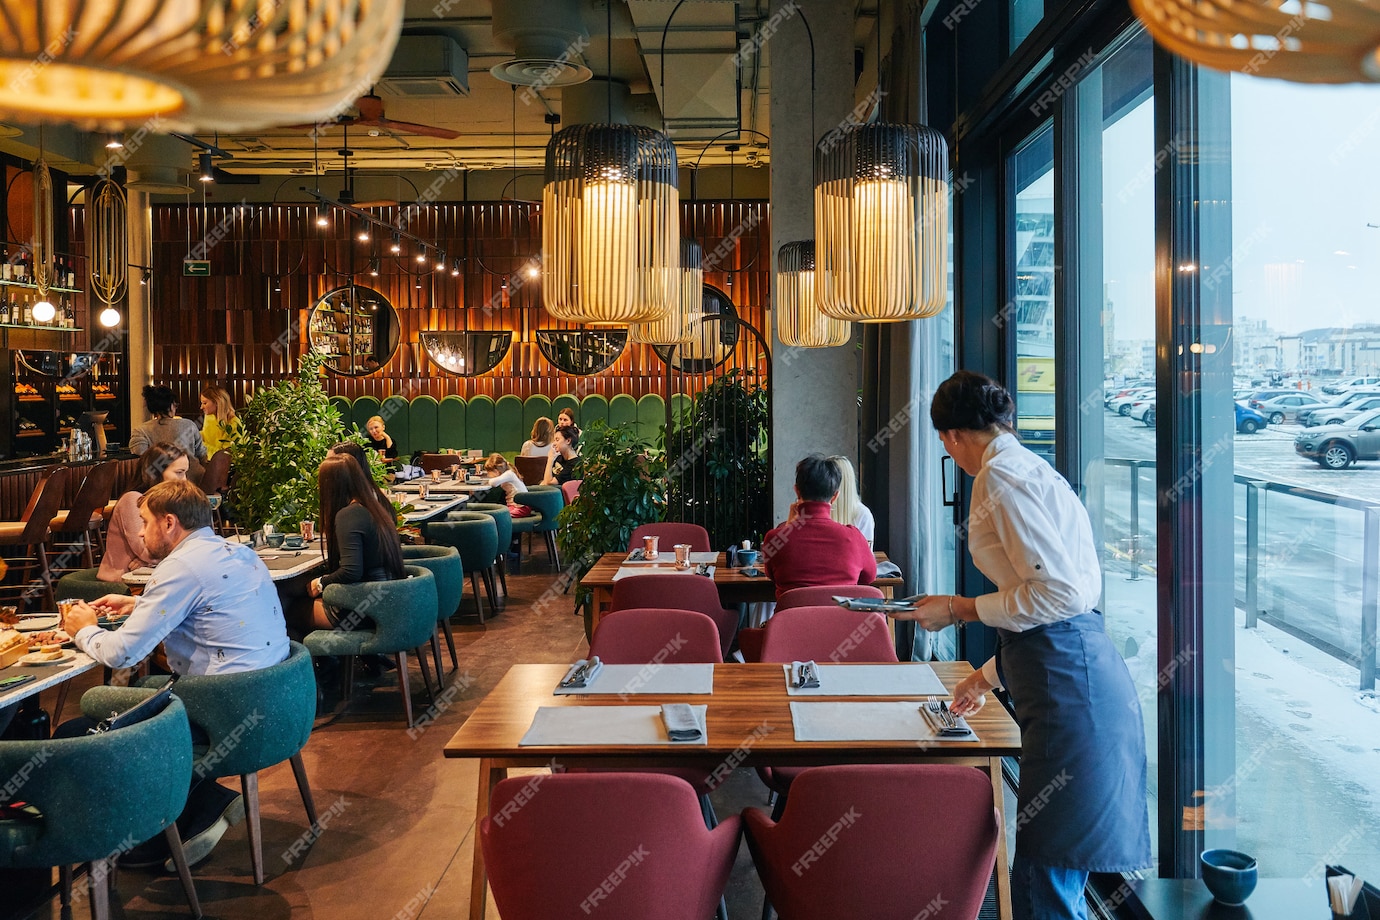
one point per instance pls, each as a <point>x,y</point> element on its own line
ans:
<point>811,548</point>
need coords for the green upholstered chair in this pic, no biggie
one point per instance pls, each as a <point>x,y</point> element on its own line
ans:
<point>534,407</point>
<point>403,612</point>
<point>503,520</point>
<point>253,720</point>
<point>651,415</point>
<point>422,424</point>
<point>84,585</point>
<point>593,408</point>
<point>547,502</point>
<point>444,564</point>
<point>450,422</point>
<point>479,424</point>
<point>622,410</point>
<point>396,417</point>
<point>342,405</point>
<point>96,796</point>
<point>363,409</point>
<point>508,431</point>
<point>475,535</point>
<point>564,401</point>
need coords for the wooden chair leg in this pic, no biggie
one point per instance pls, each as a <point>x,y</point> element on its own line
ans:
<point>426,673</point>
<point>299,771</point>
<point>551,550</point>
<point>347,679</point>
<point>488,576</point>
<point>501,563</point>
<point>65,885</point>
<point>478,598</point>
<point>403,685</point>
<point>179,859</point>
<point>450,643</point>
<point>97,889</point>
<point>436,654</point>
<point>249,782</point>
<point>47,577</point>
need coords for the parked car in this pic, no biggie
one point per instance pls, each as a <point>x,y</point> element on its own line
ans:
<point>1249,421</point>
<point>1342,414</point>
<point>1112,395</point>
<point>1286,408</point>
<point>1317,414</point>
<point>1260,394</point>
<point>1336,447</point>
<point>1351,383</point>
<point>1121,405</point>
<point>1143,410</point>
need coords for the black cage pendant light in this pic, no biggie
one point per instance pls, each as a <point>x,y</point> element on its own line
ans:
<point>610,225</point>
<point>882,223</point>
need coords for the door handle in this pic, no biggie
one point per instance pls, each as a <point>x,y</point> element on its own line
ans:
<point>950,495</point>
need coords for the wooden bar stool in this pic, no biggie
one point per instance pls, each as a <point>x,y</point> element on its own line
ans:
<point>72,528</point>
<point>31,534</point>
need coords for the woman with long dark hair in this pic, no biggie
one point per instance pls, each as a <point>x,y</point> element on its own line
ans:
<point>1083,786</point>
<point>361,537</point>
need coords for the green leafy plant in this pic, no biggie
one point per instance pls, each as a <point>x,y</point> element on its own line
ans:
<point>716,454</point>
<point>624,486</point>
<point>288,429</point>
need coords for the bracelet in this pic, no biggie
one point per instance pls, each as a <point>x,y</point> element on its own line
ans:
<point>952,618</point>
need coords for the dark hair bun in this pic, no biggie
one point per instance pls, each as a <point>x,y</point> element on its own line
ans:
<point>972,401</point>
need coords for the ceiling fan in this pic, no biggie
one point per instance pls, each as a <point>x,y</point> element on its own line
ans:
<point>370,108</point>
<point>347,193</point>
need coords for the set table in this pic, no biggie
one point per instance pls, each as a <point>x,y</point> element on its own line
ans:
<point>745,698</point>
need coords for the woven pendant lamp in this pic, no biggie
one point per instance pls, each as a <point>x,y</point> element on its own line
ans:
<point>228,65</point>
<point>1273,38</point>
<point>610,225</point>
<point>882,223</point>
<point>680,325</point>
<point>799,321</point>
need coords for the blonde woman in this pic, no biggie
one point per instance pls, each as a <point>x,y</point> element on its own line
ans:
<point>539,445</point>
<point>219,424</point>
<point>848,507</point>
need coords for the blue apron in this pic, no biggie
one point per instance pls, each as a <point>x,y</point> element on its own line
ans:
<point>1082,801</point>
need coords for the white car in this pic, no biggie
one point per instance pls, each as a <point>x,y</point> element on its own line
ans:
<point>1122,404</point>
<point>1143,410</point>
<point>1353,383</point>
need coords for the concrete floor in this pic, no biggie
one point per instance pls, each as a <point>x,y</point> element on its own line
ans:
<point>398,818</point>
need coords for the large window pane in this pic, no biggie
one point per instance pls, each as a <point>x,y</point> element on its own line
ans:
<point>1303,275</point>
<point>1031,306</point>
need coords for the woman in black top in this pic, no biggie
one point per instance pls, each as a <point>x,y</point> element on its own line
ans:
<point>361,538</point>
<point>380,440</point>
<point>565,462</point>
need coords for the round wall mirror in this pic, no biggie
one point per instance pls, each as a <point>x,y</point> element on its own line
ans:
<point>355,329</point>
<point>713,342</point>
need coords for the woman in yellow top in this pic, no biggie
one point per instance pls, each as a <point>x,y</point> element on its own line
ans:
<point>220,425</point>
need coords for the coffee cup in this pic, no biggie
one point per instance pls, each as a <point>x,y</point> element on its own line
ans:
<point>682,555</point>
<point>294,541</point>
<point>747,558</point>
<point>308,530</point>
<point>649,550</point>
<point>275,540</point>
<point>422,489</point>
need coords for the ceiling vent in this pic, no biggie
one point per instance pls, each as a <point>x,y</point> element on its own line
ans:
<point>548,41</point>
<point>427,65</point>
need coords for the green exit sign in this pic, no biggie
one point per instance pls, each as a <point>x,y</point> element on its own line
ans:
<point>196,268</point>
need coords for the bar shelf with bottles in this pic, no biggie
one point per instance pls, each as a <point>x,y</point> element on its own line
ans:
<point>55,392</point>
<point>19,295</point>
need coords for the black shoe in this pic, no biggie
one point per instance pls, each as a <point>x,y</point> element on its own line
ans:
<point>199,844</point>
<point>150,854</point>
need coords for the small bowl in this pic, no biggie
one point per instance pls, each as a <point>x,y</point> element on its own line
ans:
<point>1229,875</point>
<point>294,542</point>
<point>748,557</point>
<point>275,540</point>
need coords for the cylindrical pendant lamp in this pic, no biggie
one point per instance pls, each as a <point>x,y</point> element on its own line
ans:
<point>610,225</point>
<point>799,321</point>
<point>682,323</point>
<point>882,223</point>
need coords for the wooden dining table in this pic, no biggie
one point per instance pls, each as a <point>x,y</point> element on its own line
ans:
<point>734,587</point>
<point>748,724</point>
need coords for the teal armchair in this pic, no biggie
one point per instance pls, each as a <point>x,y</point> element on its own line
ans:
<point>444,563</point>
<point>75,818</point>
<point>547,502</point>
<point>404,618</point>
<point>83,584</point>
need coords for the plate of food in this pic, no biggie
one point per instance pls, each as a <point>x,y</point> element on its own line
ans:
<point>49,637</point>
<point>46,655</point>
<point>38,622</point>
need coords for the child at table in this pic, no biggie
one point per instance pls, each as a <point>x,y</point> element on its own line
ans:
<point>503,477</point>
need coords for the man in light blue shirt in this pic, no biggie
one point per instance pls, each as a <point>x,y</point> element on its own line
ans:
<point>213,606</point>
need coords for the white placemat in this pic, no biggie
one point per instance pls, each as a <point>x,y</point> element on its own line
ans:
<point>648,678</point>
<point>665,557</point>
<point>627,571</point>
<point>871,680</point>
<point>589,725</point>
<point>894,721</point>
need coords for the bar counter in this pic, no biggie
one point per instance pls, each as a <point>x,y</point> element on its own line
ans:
<point>18,478</point>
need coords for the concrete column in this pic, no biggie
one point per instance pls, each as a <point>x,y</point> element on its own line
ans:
<point>139,318</point>
<point>814,390</point>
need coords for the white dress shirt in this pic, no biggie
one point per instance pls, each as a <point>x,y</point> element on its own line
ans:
<point>1031,536</point>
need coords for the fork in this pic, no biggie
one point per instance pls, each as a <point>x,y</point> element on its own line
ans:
<point>941,709</point>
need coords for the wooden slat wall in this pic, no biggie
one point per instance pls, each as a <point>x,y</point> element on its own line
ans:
<point>245,325</point>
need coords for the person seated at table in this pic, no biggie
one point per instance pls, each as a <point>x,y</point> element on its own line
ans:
<point>379,439</point>
<point>810,548</point>
<point>566,419</point>
<point>848,507</point>
<point>214,607</point>
<point>219,424</point>
<point>352,449</point>
<point>539,445</point>
<point>505,483</point>
<point>124,544</point>
<point>361,541</point>
<point>166,428</point>
<point>564,464</point>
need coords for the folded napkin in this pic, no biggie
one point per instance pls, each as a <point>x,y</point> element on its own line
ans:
<point>1343,891</point>
<point>943,723</point>
<point>582,672</point>
<point>680,722</point>
<point>804,675</point>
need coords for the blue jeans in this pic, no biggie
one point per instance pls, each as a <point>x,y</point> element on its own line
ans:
<point>1040,892</point>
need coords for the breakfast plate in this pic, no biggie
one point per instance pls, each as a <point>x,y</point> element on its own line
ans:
<point>35,659</point>
<point>36,622</point>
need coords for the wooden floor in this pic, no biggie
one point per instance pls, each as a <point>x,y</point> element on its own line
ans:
<point>398,819</point>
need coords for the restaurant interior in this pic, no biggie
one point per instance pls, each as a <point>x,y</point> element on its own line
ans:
<point>723,237</point>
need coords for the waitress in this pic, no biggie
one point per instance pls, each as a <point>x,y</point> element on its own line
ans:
<point>1082,797</point>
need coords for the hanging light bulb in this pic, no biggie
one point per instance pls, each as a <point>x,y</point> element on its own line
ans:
<point>455,268</point>
<point>110,317</point>
<point>680,325</point>
<point>799,321</point>
<point>323,215</point>
<point>395,247</point>
<point>113,142</point>
<point>611,225</point>
<point>364,234</point>
<point>882,223</point>
<point>207,168</point>
<point>374,266</point>
<point>44,311</point>
<point>421,256</point>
